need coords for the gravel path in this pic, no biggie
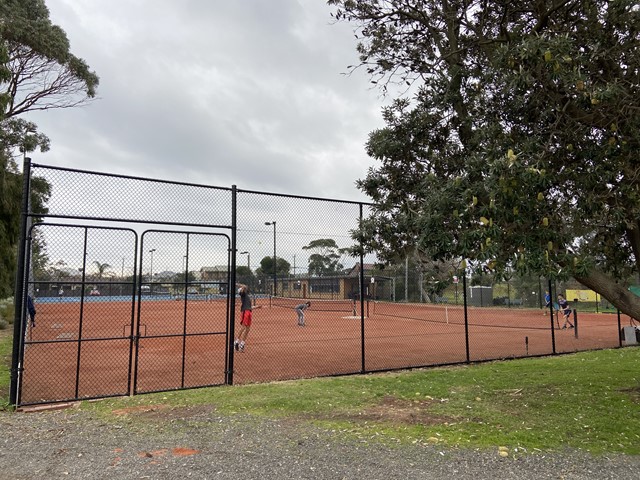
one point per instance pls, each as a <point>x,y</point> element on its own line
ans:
<point>202,444</point>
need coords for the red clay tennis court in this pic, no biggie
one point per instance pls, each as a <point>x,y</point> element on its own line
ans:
<point>184,345</point>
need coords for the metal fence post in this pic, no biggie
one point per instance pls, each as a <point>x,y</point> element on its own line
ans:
<point>466,319</point>
<point>362,296</point>
<point>553,331</point>
<point>619,330</point>
<point>18,324</point>
<point>231,290</point>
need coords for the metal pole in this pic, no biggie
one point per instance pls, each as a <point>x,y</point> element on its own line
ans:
<point>231,290</point>
<point>362,297</point>
<point>406,279</point>
<point>275,268</point>
<point>151,266</point>
<point>18,336</point>
<point>553,331</point>
<point>466,318</point>
<point>540,293</point>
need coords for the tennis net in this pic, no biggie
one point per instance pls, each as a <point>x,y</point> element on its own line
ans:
<point>455,315</point>
<point>325,305</point>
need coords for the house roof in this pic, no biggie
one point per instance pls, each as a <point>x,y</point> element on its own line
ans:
<point>355,271</point>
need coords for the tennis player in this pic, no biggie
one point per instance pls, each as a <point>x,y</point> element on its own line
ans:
<point>246,308</point>
<point>31,308</point>
<point>300,311</point>
<point>566,311</point>
<point>547,300</point>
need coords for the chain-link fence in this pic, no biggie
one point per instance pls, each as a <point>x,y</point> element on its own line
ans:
<point>134,283</point>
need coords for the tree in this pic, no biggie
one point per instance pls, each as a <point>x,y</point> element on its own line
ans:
<point>37,72</point>
<point>242,271</point>
<point>101,268</point>
<point>180,277</point>
<point>43,74</point>
<point>326,257</point>
<point>10,204</point>
<point>517,147</point>
<point>266,267</point>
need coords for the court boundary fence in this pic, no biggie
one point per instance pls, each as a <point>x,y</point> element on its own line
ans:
<point>137,331</point>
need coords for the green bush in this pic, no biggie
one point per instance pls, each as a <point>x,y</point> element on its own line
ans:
<point>6,311</point>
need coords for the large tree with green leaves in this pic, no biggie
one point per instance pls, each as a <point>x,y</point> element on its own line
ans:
<point>326,256</point>
<point>37,72</point>
<point>266,267</point>
<point>516,143</point>
<point>43,72</point>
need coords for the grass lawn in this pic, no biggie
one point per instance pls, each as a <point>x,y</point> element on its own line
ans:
<point>6,347</point>
<point>588,401</point>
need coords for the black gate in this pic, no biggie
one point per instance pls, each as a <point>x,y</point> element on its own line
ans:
<point>75,347</point>
<point>182,320</point>
<point>108,323</point>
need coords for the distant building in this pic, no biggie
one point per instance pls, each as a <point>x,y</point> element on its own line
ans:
<point>165,275</point>
<point>217,273</point>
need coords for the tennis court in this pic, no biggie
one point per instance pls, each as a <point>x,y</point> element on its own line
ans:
<point>183,347</point>
<point>131,294</point>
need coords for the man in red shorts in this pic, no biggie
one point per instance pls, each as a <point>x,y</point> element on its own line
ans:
<point>246,308</point>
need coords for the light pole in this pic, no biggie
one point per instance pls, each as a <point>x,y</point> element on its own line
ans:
<point>250,276</point>
<point>151,267</point>
<point>248,260</point>
<point>275,275</point>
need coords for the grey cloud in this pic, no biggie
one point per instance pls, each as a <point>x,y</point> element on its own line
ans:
<point>248,93</point>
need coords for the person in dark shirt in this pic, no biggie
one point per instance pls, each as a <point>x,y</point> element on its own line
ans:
<point>566,311</point>
<point>246,308</point>
<point>31,308</point>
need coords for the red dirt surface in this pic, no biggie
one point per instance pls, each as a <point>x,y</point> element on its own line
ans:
<point>108,362</point>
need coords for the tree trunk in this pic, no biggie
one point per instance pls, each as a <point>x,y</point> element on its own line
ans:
<point>619,296</point>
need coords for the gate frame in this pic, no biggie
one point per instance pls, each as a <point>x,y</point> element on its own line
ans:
<point>137,336</point>
<point>24,342</point>
<point>21,292</point>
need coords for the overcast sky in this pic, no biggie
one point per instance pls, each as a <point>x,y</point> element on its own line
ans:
<point>219,92</point>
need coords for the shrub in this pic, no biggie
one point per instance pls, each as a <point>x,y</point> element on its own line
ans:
<point>7,310</point>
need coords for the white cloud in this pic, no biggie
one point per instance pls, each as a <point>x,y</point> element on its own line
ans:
<point>250,93</point>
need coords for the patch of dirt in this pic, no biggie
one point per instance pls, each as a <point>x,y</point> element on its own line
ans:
<point>176,452</point>
<point>397,411</point>
<point>634,393</point>
<point>166,412</point>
